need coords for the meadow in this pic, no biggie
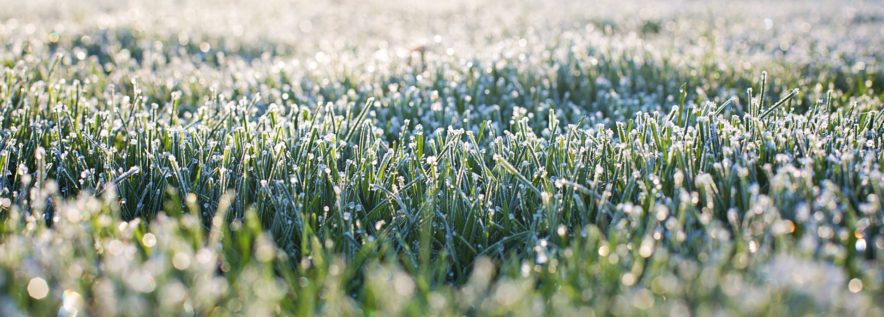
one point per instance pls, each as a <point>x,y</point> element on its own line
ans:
<point>463,158</point>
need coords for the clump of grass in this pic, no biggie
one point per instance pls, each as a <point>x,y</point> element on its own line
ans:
<point>565,170</point>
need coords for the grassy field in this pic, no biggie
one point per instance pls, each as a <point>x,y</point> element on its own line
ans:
<point>389,158</point>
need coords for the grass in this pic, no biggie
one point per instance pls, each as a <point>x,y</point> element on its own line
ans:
<point>534,161</point>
